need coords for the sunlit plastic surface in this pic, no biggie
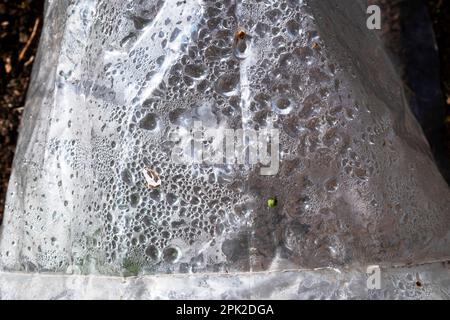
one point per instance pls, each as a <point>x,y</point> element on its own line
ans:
<point>356,184</point>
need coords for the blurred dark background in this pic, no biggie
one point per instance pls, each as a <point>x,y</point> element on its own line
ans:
<point>440,16</point>
<point>417,35</point>
<point>407,26</point>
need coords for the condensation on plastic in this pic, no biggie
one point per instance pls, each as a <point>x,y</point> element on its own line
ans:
<point>356,186</point>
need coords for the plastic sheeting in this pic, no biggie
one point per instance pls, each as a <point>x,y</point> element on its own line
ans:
<point>421,282</point>
<point>114,81</point>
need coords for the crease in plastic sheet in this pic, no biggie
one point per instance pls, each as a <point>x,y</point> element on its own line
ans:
<point>356,184</point>
<point>429,281</point>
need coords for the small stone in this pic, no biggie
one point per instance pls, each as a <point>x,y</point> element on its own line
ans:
<point>272,202</point>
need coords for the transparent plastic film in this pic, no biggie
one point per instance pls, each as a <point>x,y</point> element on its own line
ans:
<point>214,137</point>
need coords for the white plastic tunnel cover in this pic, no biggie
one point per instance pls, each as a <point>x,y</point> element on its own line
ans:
<point>98,189</point>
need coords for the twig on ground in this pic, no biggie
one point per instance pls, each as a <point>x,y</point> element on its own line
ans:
<point>30,39</point>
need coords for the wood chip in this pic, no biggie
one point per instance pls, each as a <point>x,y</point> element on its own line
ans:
<point>8,66</point>
<point>152,178</point>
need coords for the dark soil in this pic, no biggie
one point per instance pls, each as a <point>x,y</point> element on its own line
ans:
<point>18,45</point>
<point>408,33</point>
<point>440,13</point>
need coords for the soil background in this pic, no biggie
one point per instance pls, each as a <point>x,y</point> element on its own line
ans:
<point>440,15</point>
<point>20,27</point>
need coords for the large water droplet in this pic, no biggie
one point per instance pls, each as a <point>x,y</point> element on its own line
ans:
<point>282,105</point>
<point>227,84</point>
<point>293,28</point>
<point>149,122</point>
<point>195,71</point>
<point>152,252</point>
<point>171,254</point>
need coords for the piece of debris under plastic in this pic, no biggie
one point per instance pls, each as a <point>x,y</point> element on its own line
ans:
<point>152,178</point>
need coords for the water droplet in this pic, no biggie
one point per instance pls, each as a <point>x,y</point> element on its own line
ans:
<point>171,254</point>
<point>134,200</point>
<point>331,185</point>
<point>153,253</point>
<point>195,71</point>
<point>149,122</point>
<point>227,84</point>
<point>293,27</point>
<point>127,177</point>
<point>282,105</point>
